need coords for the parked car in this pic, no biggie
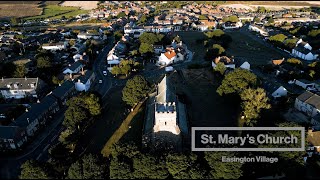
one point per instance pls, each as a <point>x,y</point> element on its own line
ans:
<point>100,81</point>
<point>104,73</point>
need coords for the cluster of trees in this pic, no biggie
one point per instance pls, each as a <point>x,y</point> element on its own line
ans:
<point>147,40</point>
<point>216,43</point>
<point>125,67</point>
<point>242,83</point>
<point>282,41</point>
<point>135,90</point>
<point>232,18</point>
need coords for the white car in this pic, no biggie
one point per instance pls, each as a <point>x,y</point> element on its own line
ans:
<point>100,81</point>
<point>104,73</point>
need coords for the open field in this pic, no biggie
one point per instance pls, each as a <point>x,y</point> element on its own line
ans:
<point>19,9</point>
<point>56,11</point>
<point>204,106</point>
<point>245,47</point>
<point>190,39</point>
<point>86,5</point>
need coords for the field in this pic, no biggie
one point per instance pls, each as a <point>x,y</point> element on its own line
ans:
<point>86,5</point>
<point>56,11</point>
<point>190,39</point>
<point>19,9</point>
<point>245,47</point>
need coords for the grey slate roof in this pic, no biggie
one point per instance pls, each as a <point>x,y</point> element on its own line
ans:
<point>35,111</point>
<point>86,77</point>
<point>19,83</point>
<point>75,65</point>
<point>9,132</point>
<point>62,90</point>
<point>310,98</point>
<point>302,49</point>
<point>165,93</point>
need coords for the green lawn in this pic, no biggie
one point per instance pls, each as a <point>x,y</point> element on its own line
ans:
<point>56,11</point>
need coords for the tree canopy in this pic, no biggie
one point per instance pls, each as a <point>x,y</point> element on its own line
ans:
<point>20,71</point>
<point>135,90</point>
<point>150,38</point>
<point>146,48</point>
<point>214,34</point>
<point>237,81</point>
<point>221,68</point>
<point>33,170</point>
<point>278,37</point>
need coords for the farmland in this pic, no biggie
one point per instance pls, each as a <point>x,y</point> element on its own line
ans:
<point>19,9</point>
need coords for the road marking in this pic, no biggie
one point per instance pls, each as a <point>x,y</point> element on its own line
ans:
<point>46,148</point>
<point>39,157</point>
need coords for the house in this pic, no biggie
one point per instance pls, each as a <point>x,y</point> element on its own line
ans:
<point>258,29</point>
<point>230,25</point>
<point>228,63</point>
<point>12,137</point>
<point>277,62</point>
<point>166,123</point>
<point>87,35</point>
<point>274,91</point>
<point>18,88</point>
<point>308,103</point>
<point>54,46</point>
<point>167,58</point>
<point>158,49</point>
<point>73,68</point>
<point>83,83</point>
<point>315,120</point>
<point>64,92</point>
<point>245,65</point>
<point>304,51</point>
<point>37,115</point>
<point>305,84</point>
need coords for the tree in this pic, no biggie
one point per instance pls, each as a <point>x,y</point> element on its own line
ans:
<point>214,34</point>
<point>203,17</point>
<point>290,43</point>
<point>314,32</point>
<point>222,170</point>
<point>120,169</point>
<point>125,69</point>
<point>221,68</point>
<point>33,170</point>
<point>233,19</point>
<point>146,48</point>
<point>256,20</point>
<point>270,20</point>
<point>295,62</point>
<point>150,38</point>
<point>116,70</point>
<point>135,90</point>
<point>278,37</point>
<point>237,81</point>
<point>43,62</point>
<point>261,9</point>
<point>20,71</point>
<point>148,166</point>
<point>14,21</point>
<point>142,19</point>
<point>118,35</point>
<point>74,116</point>
<point>56,80</point>
<point>253,101</point>
<point>218,49</point>
<point>87,167</point>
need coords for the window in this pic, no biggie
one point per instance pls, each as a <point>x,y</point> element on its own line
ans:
<point>165,123</point>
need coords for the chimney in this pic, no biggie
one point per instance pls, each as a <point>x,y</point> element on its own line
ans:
<point>25,78</point>
<point>70,75</point>
<point>82,71</point>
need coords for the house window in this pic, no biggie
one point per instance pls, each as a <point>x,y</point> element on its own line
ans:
<point>165,123</point>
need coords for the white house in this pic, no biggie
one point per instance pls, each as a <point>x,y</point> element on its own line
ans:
<point>167,58</point>
<point>83,83</point>
<point>73,68</point>
<point>308,103</point>
<point>236,25</point>
<point>88,35</point>
<point>304,51</point>
<point>112,59</point>
<point>18,88</point>
<point>54,46</point>
<point>258,29</point>
<point>305,84</point>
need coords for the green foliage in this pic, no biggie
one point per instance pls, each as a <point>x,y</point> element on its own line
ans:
<point>142,20</point>
<point>120,169</point>
<point>43,62</point>
<point>56,80</point>
<point>214,34</point>
<point>232,18</point>
<point>314,33</point>
<point>128,150</point>
<point>237,81</point>
<point>33,170</point>
<point>79,109</point>
<point>66,136</point>
<point>150,38</point>
<point>146,48</point>
<point>261,9</point>
<point>270,20</point>
<point>256,20</point>
<point>135,90</point>
<point>203,17</point>
<point>88,167</point>
<point>222,170</point>
<point>14,21</point>
<point>20,71</point>
<point>118,35</point>
<point>295,62</point>
<point>218,48</point>
<point>221,68</point>
<point>278,37</point>
<point>253,101</point>
<point>148,166</point>
<point>125,67</point>
<point>295,31</point>
<point>290,43</point>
